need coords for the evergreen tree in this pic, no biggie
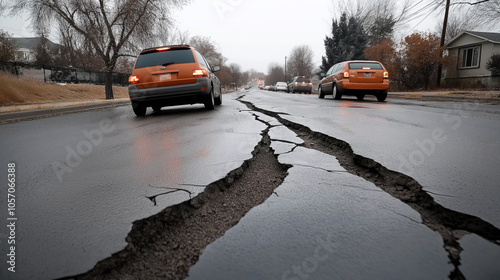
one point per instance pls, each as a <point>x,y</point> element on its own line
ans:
<point>347,42</point>
<point>42,55</point>
<point>381,29</point>
<point>7,47</point>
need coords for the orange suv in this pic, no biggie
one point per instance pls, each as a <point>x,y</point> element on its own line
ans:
<point>358,77</point>
<point>172,75</point>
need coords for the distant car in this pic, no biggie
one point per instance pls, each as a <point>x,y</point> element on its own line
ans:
<point>172,75</point>
<point>272,88</point>
<point>300,84</point>
<point>357,78</point>
<point>266,87</point>
<point>281,86</point>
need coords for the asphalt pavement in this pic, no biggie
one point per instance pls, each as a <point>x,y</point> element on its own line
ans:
<point>440,158</point>
<point>326,220</point>
<point>19,112</point>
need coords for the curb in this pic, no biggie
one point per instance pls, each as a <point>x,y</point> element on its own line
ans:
<point>446,97</point>
<point>43,113</point>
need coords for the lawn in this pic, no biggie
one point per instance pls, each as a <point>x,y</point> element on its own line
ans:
<point>16,91</point>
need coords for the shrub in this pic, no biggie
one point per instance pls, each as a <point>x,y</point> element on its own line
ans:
<point>493,64</point>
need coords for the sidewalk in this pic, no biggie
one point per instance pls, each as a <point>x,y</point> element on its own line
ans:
<point>459,95</point>
<point>30,111</point>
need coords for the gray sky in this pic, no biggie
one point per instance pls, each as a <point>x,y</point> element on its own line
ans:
<point>254,33</point>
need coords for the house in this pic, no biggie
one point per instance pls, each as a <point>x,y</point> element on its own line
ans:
<point>471,50</point>
<point>27,47</point>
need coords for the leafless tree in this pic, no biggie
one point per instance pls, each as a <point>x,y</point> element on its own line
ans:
<point>179,38</point>
<point>108,26</point>
<point>300,62</point>
<point>254,75</point>
<point>458,21</point>
<point>235,71</point>
<point>207,48</point>
<point>380,18</point>
<point>470,15</point>
<point>275,73</point>
<point>485,13</point>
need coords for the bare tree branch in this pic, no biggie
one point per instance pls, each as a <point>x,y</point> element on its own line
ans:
<point>108,26</point>
<point>469,3</point>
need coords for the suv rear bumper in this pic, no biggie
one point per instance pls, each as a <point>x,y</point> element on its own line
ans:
<point>345,86</point>
<point>301,88</point>
<point>171,95</point>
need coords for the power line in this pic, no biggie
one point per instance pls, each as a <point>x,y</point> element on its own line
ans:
<point>427,8</point>
<point>469,3</point>
<point>417,13</point>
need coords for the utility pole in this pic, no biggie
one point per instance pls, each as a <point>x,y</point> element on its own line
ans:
<point>285,68</point>
<point>443,35</point>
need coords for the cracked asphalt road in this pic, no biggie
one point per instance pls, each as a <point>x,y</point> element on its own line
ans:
<point>269,186</point>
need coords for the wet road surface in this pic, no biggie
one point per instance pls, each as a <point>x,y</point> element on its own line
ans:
<point>374,190</point>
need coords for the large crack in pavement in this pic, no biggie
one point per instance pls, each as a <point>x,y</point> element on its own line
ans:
<point>167,244</point>
<point>450,224</point>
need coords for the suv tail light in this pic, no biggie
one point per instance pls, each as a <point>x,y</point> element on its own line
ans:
<point>199,73</point>
<point>133,80</point>
<point>386,75</point>
<point>162,49</point>
<point>346,74</point>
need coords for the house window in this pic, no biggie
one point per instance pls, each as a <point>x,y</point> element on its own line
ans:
<point>470,57</point>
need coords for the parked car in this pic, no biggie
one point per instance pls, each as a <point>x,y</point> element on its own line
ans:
<point>281,86</point>
<point>272,88</point>
<point>300,84</point>
<point>172,75</point>
<point>357,78</point>
<point>266,87</point>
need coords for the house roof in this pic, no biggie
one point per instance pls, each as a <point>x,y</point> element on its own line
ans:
<point>492,37</point>
<point>32,43</point>
<point>489,36</point>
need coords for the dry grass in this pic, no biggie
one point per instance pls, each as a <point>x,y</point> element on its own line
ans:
<point>15,91</point>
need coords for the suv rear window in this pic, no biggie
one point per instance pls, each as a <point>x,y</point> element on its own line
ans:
<point>300,80</point>
<point>361,65</point>
<point>173,56</point>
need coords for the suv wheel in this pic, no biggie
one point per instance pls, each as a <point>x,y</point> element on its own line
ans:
<point>336,93</point>
<point>382,96</point>
<point>209,102</point>
<point>321,94</point>
<point>139,109</point>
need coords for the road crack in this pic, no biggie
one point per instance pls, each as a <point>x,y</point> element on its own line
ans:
<point>171,190</point>
<point>166,245</point>
<point>450,224</point>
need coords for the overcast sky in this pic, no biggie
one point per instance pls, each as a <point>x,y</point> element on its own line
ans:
<point>254,33</point>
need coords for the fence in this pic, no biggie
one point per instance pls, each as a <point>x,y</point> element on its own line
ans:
<point>58,74</point>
